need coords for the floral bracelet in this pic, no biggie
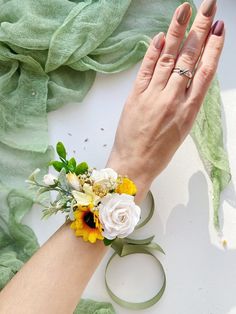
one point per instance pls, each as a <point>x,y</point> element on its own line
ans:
<point>99,203</point>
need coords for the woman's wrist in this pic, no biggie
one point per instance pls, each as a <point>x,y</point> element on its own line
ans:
<point>137,174</point>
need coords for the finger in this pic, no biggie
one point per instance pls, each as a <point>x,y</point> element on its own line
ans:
<point>149,62</point>
<point>207,65</point>
<point>174,38</point>
<point>193,45</point>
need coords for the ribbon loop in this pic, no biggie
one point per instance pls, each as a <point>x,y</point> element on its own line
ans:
<point>128,246</point>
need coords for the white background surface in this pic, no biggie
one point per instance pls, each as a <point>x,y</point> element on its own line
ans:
<point>201,274</point>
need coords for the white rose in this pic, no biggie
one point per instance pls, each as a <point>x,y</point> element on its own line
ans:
<point>105,174</point>
<point>73,181</point>
<point>119,215</point>
<point>49,179</point>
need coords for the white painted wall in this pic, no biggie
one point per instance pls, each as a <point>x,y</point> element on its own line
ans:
<point>201,274</point>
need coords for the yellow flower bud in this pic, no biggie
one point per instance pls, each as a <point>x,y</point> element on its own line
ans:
<point>73,181</point>
<point>127,187</point>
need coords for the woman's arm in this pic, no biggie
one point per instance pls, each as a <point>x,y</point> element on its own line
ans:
<point>53,280</point>
<point>157,116</point>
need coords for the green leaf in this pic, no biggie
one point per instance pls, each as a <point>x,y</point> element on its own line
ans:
<point>72,164</point>
<point>107,241</point>
<point>61,150</point>
<point>81,168</point>
<point>57,165</point>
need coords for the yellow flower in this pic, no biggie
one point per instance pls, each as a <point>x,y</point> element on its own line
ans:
<point>87,224</point>
<point>126,186</point>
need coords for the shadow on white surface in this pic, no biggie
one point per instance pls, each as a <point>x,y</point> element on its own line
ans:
<point>201,276</point>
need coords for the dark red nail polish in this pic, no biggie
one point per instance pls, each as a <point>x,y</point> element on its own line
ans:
<point>218,28</point>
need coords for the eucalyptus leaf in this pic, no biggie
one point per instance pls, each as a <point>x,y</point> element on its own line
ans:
<point>62,180</point>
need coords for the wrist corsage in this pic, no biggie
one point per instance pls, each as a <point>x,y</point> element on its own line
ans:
<point>99,203</point>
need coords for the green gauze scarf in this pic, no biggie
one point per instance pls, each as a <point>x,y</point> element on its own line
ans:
<point>50,52</point>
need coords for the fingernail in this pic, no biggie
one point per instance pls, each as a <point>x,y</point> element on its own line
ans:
<point>183,13</point>
<point>218,28</point>
<point>208,7</point>
<point>158,40</point>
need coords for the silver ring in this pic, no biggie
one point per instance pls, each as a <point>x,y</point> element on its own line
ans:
<point>184,72</point>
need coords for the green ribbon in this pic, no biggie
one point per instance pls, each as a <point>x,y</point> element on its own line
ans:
<point>150,214</point>
<point>127,246</point>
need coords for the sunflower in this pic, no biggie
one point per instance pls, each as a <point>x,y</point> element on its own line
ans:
<point>87,224</point>
<point>126,186</point>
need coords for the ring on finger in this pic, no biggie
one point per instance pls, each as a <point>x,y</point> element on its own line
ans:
<point>183,72</point>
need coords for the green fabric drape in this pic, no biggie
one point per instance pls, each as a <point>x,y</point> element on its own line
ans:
<point>50,52</point>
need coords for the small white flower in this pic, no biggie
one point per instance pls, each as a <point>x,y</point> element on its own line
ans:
<point>105,174</point>
<point>49,179</point>
<point>119,215</point>
<point>73,181</point>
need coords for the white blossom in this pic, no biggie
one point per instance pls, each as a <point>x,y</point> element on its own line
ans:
<point>119,215</point>
<point>105,174</point>
<point>49,179</point>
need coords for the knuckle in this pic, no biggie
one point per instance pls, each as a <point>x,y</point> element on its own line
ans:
<point>167,60</point>
<point>144,75</point>
<point>202,25</point>
<point>174,32</point>
<point>187,116</point>
<point>215,46</point>
<point>151,57</point>
<point>207,72</point>
<point>189,55</point>
<point>193,100</point>
<point>170,109</point>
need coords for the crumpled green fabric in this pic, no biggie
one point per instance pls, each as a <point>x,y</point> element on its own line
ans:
<point>50,52</point>
<point>207,134</point>
<point>89,306</point>
<point>17,241</point>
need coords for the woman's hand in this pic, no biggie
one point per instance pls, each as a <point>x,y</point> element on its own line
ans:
<point>163,105</point>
